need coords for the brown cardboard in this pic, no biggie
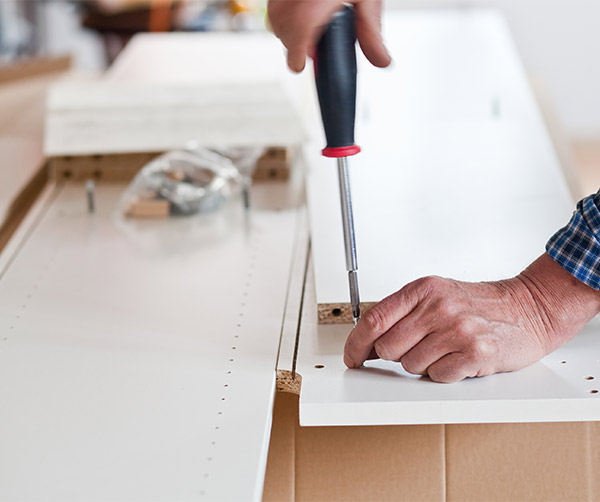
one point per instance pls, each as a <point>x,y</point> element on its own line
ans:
<point>401,463</point>
<point>471,462</point>
<point>280,478</point>
<point>594,437</point>
<point>542,461</point>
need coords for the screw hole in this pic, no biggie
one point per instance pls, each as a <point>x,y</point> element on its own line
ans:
<point>593,391</point>
<point>589,377</point>
<point>319,366</point>
<point>336,312</point>
<point>563,362</point>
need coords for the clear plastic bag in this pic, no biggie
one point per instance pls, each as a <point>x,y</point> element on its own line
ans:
<point>182,183</point>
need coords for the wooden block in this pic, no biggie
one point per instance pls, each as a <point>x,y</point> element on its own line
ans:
<point>148,208</point>
<point>273,165</point>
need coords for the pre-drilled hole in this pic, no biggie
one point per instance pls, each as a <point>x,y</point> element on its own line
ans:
<point>563,362</point>
<point>336,312</point>
<point>319,366</point>
<point>593,391</point>
<point>589,377</point>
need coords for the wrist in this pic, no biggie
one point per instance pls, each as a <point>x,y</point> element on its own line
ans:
<point>563,303</point>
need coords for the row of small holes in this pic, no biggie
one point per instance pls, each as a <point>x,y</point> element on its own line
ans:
<point>236,336</point>
<point>51,259</point>
<point>589,378</point>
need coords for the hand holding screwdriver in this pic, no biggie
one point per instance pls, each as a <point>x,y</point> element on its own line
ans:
<point>299,24</point>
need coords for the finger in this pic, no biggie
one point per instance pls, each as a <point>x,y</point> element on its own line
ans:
<point>405,334</point>
<point>379,319</point>
<point>368,30</point>
<point>429,350</point>
<point>451,368</point>
<point>296,57</point>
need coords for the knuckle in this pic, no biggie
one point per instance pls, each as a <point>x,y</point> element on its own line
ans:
<point>465,326</point>
<point>479,349</point>
<point>373,319</point>
<point>431,282</point>
<point>445,308</point>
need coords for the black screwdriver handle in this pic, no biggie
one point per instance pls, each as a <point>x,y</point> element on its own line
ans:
<point>335,75</point>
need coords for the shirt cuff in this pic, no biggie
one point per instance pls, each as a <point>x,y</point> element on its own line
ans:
<point>576,247</point>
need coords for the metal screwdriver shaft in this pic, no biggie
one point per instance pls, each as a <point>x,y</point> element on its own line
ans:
<point>335,74</point>
<point>349,239</point>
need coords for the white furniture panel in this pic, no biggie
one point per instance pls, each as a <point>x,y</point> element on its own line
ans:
<point>564,386</point>
<point>137,359</point>
<point>457,178</point>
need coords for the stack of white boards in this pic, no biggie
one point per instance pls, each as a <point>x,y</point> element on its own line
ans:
<point>166,90</point>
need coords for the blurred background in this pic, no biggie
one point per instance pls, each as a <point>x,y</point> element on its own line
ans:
<point>558,41</point>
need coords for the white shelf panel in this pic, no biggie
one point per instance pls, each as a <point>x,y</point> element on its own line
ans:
<point>137,360</point>
<point>457,178</point>
<point>382,393</point>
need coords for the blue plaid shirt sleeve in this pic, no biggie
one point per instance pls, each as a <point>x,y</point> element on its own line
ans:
<point>576,247</point>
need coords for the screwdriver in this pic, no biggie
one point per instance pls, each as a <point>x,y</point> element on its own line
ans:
<point>335,76</point>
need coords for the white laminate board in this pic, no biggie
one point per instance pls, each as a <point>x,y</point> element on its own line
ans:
<point>457,176</point>
<point>167,89</point>
<point>137,360</point>
<point>557,389</point>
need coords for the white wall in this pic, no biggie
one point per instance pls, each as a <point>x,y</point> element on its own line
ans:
<point>559,41</point>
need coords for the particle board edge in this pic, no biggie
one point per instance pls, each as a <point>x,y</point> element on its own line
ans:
<point>339,313</point>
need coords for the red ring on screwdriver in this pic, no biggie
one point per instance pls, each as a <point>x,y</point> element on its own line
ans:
<point>340,151</point>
